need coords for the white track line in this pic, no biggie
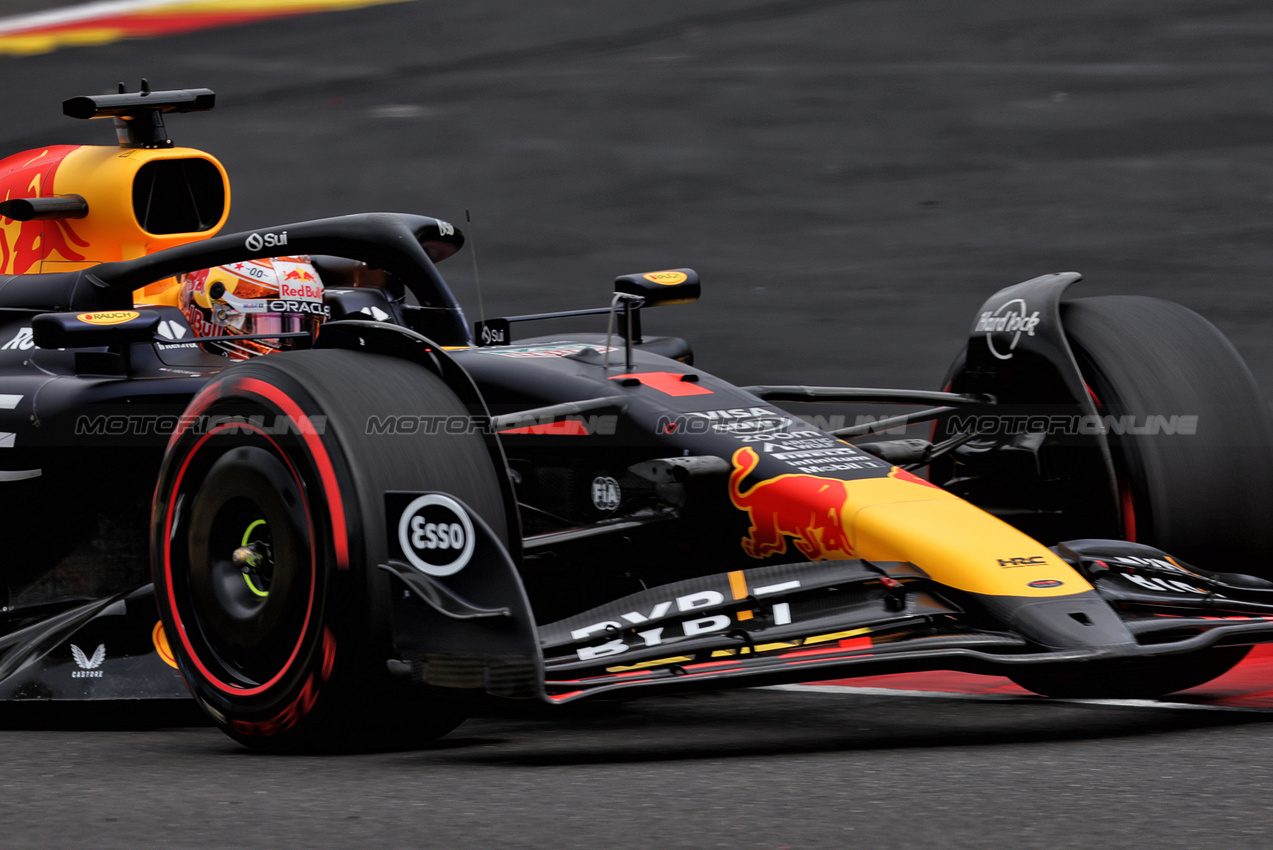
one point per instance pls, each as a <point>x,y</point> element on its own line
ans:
<point>74,14</point>
<point>1123,703</point>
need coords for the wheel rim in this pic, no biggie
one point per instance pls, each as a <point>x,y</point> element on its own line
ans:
<point>240,567</point>
<point>255,558</point>
<point>243,563</point>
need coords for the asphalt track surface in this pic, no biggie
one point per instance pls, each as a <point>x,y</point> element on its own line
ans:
<point>851,179</point>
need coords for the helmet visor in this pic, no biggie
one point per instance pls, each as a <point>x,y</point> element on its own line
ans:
<point>273,323</point>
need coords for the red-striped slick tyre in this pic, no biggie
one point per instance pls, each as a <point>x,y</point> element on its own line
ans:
<point>1201,492</point>
<point>1189,434</point>
<point>1199,484</point>
<point>267,528</point>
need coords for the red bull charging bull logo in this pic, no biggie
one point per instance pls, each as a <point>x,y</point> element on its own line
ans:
<point>298,282</point>
<point>24,245</point>
<point>808,508</point>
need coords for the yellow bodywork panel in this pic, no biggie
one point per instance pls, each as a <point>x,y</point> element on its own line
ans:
<point>180,192</point>
<point>164,293</point>
<point>104,177</point>
<point>896,517</point>
<point>955,542</point>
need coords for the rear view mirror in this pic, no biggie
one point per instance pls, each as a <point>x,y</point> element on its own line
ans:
<point>86,330</point>
<point>674,286</point>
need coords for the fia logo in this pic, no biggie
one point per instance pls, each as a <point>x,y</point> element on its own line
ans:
<point>606,495</point>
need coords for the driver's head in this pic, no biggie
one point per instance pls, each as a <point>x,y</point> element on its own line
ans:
<point>271,295</point>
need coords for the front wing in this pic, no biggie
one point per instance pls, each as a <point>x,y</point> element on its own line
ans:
<point>839,619</point>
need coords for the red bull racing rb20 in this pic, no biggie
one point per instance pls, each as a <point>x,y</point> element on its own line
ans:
<point>355,525</point>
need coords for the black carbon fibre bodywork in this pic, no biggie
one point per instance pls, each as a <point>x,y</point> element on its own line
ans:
<point>636,562</point>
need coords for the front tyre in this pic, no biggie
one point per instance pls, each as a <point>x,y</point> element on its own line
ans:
<point>267,528</point>
<point>1189,438</point>
<point>1190,434</point>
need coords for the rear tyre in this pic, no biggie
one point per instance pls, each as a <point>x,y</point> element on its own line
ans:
<point>267,529</point>
<point>1142,680</point>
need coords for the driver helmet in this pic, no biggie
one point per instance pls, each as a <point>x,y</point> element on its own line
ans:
<point>269,295</point>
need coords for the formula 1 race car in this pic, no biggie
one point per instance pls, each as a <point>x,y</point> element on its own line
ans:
<point>353,539</point>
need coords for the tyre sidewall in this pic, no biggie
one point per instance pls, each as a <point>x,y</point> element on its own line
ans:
<point>272,411</point>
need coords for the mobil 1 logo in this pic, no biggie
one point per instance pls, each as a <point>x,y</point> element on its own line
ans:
<point>433,532</point>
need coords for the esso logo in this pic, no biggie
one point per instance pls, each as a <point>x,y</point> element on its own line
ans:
<point>436,535</point>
